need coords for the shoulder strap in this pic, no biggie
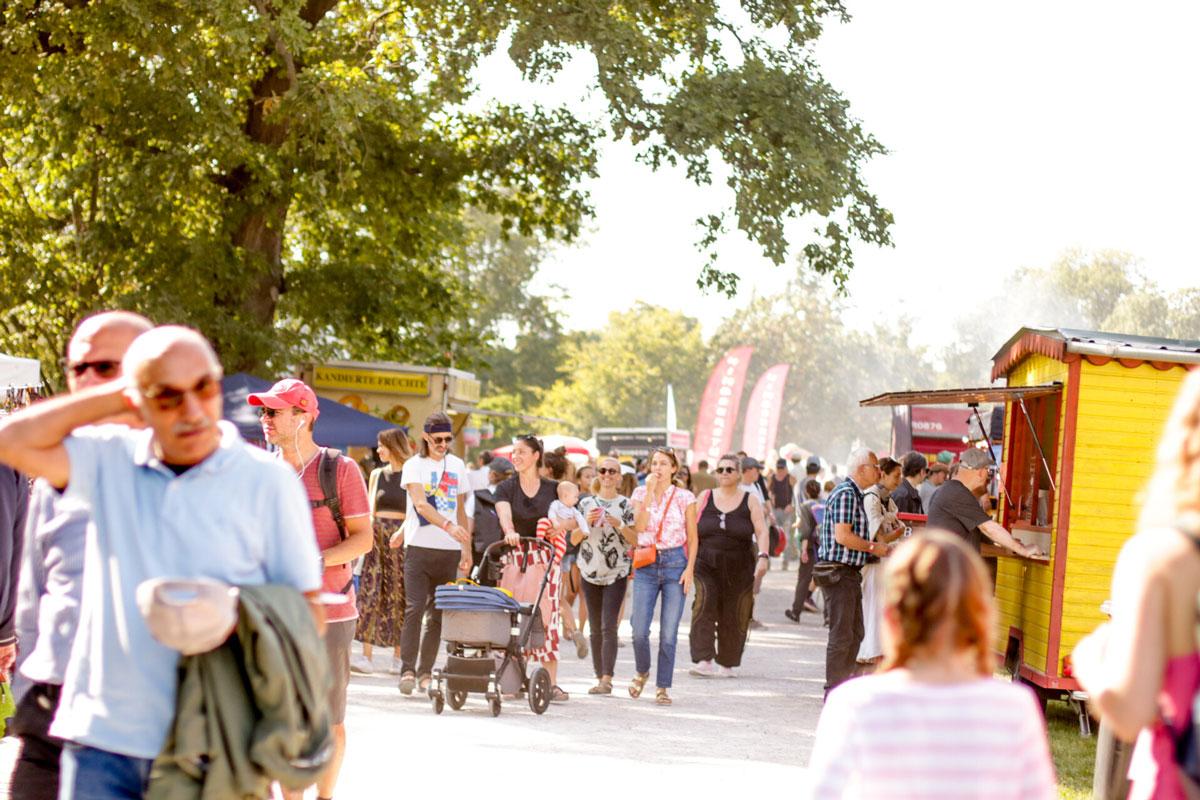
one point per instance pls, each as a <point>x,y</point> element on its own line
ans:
<point>327,464</point>
<point>705,496</point>
<point>666,510</point>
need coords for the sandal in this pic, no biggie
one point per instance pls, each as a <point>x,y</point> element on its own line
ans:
<point>557,695</point>
<point>638,684</point>
<point>408,682</point>
<point>423,683</point>
<point>661,697</point>
<point>603,687</point>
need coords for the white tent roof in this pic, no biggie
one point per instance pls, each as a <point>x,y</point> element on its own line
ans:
<point>19,372</point>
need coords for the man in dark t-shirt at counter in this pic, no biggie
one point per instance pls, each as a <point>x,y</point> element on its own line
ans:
<point>956,507</point>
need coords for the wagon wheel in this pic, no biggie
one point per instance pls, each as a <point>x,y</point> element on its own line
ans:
<point>457,699</point>
<point>539,690</point>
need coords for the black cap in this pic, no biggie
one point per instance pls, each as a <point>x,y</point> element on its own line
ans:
<point>781,463</point>
<point>750,463</point>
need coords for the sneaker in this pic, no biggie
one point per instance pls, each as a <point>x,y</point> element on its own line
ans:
<point>728,672</point>
<point>361,664</point>
<point>792,615</point>
<point>755,625</point>
<point>704,669</point>
<point>408,682</point>
<point>395,668</point>
<point>581,644</point>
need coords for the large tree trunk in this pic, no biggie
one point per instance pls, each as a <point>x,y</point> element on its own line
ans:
<point>260,225</point>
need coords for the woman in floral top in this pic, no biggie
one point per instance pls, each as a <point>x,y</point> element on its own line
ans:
<point>664,516</point>
<point>604,565</point>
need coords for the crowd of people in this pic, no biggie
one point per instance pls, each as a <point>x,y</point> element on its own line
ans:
<point>156,546</point>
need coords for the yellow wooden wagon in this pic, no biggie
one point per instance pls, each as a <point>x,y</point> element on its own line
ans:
<point>1084,412</point>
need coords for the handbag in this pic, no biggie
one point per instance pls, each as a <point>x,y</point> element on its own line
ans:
<point>645,555</point>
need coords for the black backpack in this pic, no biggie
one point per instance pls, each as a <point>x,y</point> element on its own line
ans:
<point>487,521</point>
<point>327,480</point>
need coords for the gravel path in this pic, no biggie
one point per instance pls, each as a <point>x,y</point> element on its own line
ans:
<point>750,732</point>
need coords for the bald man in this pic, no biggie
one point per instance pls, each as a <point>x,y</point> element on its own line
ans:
<point>183,498</point>
<point>51,580</point>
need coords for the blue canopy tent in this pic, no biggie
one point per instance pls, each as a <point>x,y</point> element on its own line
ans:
<point>337,425</point>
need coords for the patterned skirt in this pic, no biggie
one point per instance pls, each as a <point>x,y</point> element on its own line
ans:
<point>542,561</point>
<point>381,590</point>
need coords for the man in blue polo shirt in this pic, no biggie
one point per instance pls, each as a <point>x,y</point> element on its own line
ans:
<point>185,498</point>
<point>841,554</point>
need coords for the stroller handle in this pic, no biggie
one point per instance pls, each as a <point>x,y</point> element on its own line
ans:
<point>502,546</point>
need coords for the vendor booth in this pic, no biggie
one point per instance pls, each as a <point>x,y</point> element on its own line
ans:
<point>401,394</point>
<point>1084,412</point>
<point>20,378</point>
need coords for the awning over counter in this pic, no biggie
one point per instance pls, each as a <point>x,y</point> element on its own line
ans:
<point>937,397</point>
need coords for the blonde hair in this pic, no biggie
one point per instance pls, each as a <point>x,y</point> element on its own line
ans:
<point>935,580</point>
<point>1173,493</point>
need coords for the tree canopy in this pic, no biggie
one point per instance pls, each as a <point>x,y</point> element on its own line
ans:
<point>297,177</point>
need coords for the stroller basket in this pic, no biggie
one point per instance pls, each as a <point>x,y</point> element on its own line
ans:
<point>477,628</point>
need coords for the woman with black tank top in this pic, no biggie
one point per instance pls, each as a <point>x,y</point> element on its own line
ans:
<point>381,581</point>
<point>733,552</point>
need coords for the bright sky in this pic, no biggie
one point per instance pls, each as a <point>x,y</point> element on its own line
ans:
<point>1015,132</point>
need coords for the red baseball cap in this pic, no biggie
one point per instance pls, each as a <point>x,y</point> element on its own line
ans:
<point>287,393</point>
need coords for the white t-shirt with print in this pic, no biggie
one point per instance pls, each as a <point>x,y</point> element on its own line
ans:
<point>443,480</point>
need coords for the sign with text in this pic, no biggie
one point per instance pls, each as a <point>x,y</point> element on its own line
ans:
<point>370,380</point>
<point>719,405</point>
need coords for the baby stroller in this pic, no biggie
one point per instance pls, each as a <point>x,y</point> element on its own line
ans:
<point>486,633</point>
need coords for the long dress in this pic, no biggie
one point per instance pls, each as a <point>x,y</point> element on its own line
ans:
<point>872,578</point>
<point>381,580</point>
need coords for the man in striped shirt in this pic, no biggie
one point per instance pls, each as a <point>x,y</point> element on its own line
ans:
<point>841,554</point>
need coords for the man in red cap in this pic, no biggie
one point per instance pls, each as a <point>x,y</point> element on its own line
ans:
<point>289,410</point>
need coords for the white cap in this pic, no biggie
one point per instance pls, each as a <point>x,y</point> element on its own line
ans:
<point>191,615</point>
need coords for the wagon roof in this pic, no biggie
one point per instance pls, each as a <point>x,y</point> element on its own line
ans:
<point>1056,343</point>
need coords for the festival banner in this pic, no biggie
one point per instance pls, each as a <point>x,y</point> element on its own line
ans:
<point>719,405</point>
<point>762,414</point>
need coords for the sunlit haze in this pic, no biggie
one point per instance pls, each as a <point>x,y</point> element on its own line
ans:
<point>1014,134</point>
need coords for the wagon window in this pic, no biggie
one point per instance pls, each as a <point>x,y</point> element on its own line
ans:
<point>1032,471</point>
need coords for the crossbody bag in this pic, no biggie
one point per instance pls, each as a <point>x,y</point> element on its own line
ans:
<point>645,555</point>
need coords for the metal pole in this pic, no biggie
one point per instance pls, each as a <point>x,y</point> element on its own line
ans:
<point>987,437</point>
<point>1037,443</point>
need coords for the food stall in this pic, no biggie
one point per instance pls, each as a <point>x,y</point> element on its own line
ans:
<point>1084,412</point>
<point>403,394</point>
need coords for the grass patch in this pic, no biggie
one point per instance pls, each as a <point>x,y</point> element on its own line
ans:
<point>1074,755</point>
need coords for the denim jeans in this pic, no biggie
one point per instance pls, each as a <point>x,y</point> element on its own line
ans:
<point>91,774</point>
<point>604,611</point>
<point>661,577</point>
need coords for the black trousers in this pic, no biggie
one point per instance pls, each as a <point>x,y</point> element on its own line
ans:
<point>843,598</point>
<point>723,605</point>
<point>35,776</point>
<point>604,611</point>
<point>803,578</point>
<point>425,568</point>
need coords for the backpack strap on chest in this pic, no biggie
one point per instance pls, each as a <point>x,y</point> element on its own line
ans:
<point>327,464</point>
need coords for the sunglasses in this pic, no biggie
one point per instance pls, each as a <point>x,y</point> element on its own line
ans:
<point>167,398</point>
<point>608,471</point>
<point>724,470</point>
<point>105,369</point>
<point>271,413</point>
<point>447,439</point>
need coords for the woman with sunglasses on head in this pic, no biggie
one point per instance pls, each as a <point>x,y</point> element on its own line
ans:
<point>381,582</point>
<point>665,520</point>
<point>437,545</point>
<point>523,506</point>
<point>733,541</point>
<point>604,566</point>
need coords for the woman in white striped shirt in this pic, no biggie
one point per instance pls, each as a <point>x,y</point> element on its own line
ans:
<point>933,723</point>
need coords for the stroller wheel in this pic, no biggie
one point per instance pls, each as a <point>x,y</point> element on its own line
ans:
<point>495,706</point>
<point>456,699</point>
<point>539,690</point>
<point>439,701</point>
